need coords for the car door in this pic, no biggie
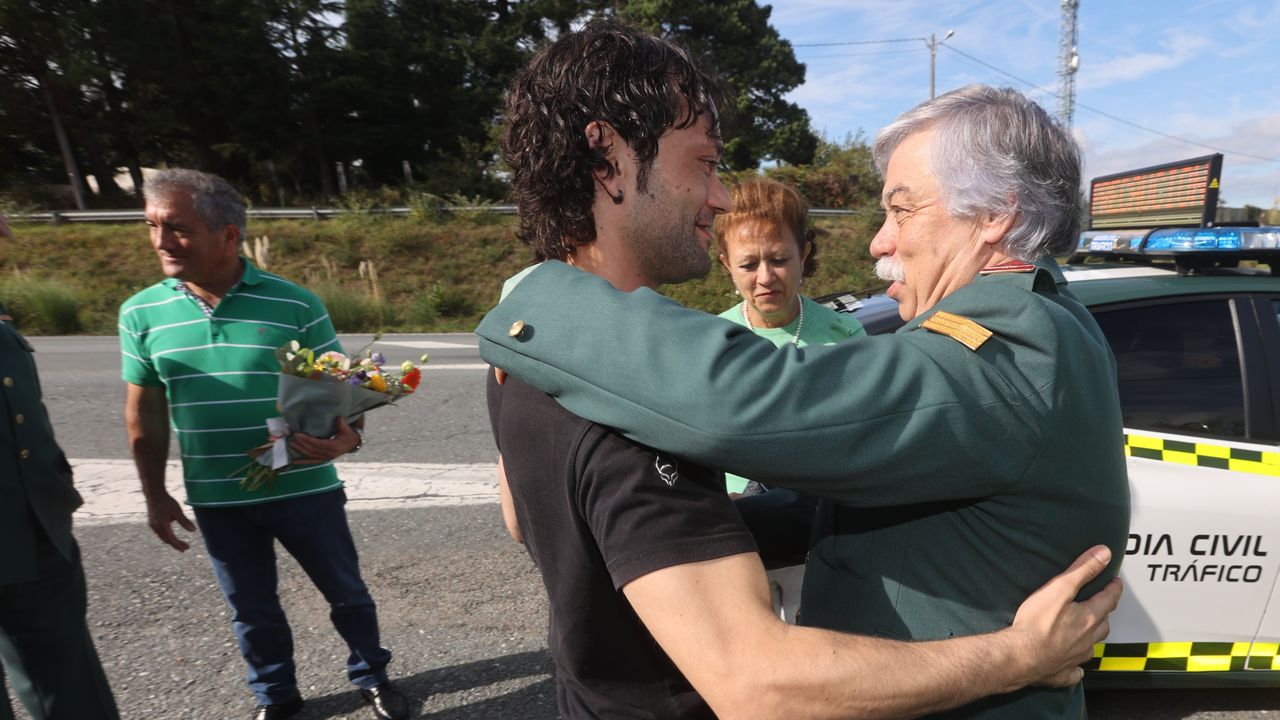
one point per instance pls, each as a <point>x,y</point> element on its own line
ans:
<point>1203,553</point>
<point>1265,652</point>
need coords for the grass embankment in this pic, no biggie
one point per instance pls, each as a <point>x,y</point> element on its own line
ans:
<point>426,276</point>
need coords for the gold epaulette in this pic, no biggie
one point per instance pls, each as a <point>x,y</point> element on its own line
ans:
<point>961,329</point>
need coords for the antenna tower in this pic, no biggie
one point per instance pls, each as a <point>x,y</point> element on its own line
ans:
<point>1068,63</point>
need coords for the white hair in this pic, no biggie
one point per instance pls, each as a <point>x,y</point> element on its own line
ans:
<point>994,151</point>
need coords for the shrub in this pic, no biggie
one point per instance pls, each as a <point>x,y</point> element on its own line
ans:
<point>425,207</point>
<point>352,311</point>
<point>422,311</point>
<point>41,306</point>
<point>476,210</point>
<point>449,301</point>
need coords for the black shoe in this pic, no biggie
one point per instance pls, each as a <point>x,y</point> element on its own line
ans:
<point>388,702</point>
<point>279,711</point>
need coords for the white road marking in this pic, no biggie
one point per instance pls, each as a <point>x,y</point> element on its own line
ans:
<point>428,344</point>
<point>111,493</point>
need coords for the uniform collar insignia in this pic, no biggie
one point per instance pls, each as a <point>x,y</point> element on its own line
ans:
<point>1009,266</point>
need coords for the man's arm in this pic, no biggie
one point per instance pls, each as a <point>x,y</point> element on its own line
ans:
<point>509,518</point>
<point>715,621</point>
<point>706,389</point>
<point>146,418</point>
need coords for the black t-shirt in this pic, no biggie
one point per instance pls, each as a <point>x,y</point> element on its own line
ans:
<point>598,511</point>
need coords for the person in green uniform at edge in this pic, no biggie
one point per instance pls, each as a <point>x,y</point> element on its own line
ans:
<point>961,461</point>
<point>45,644</point>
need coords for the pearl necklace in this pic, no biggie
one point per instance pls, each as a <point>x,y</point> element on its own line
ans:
<point>795,340</point>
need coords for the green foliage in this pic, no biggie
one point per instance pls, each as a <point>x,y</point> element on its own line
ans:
<point>427,207</point>
<point>475,210</point>
<point>843,175</point>
<point>432,277</point>
<point>449,301</point>
<point>734,37</point>
<point>304,84</point>
<point>352,311</point>
<point>41,306</point>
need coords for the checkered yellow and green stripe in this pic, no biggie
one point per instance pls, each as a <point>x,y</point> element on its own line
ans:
<point>1184,657</point>
<point>1257,462</point>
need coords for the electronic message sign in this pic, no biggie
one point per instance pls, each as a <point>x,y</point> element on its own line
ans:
<point>1183,193</point>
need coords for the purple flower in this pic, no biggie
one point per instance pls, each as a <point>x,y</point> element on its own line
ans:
<point>377,358</point>
<point>355,380</point>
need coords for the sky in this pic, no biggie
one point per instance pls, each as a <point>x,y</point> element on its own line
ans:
<point>1207,71</point>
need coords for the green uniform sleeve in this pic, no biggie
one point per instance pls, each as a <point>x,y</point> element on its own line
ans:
<point>862,421</point>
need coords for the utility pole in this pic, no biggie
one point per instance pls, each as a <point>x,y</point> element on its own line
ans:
<point>932,42</point>
<point>1068,63</point>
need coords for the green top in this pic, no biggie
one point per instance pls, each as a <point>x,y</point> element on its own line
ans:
<point>36,490</point>
<point>822,326</point>
<point>220,375</point>
<point>956,481</point>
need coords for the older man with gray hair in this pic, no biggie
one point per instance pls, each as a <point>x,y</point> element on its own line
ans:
<point>961,462</point>
<point>198,354</point>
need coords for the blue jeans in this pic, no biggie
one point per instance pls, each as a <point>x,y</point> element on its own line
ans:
<point>313,529</point>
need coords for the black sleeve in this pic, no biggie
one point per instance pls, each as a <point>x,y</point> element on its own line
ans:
<point>649,510</point>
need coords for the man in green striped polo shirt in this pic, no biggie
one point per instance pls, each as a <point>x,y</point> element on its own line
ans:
<point>198,354</point>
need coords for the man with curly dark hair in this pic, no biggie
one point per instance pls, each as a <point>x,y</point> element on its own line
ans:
<point>658,601</point>
<point>574,111</point>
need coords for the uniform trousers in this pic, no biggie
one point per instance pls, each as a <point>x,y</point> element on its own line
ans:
<point>45,644</point>
<point>313,529</point>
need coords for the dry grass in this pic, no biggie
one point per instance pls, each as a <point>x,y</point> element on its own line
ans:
<point>431,276</point>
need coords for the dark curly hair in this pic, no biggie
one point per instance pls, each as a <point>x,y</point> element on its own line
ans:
<point>640,85</point>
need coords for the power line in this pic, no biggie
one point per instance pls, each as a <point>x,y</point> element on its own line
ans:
<point>861,42</point>
<point>865,54</point>
<point>1107,114</point>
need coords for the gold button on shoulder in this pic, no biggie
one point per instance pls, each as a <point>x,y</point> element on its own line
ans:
<point>19,419</point>
<point>517,327</point>
<point>24,453</point>
<point>8,382</point>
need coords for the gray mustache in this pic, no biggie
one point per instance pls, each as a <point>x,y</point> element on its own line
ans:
<point>891,270</point>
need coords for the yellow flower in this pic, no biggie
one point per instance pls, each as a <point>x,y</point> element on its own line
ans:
<point>377,382</point>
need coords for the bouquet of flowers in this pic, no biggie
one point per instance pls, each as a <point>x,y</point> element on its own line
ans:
<point>315,390</point>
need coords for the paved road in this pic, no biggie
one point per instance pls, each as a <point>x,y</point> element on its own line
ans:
<point>461,605</point>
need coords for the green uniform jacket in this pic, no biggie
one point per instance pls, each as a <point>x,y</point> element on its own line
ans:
<point>36,491</point>
<point>957,481</point>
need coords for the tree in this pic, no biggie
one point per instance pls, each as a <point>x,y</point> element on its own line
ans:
<point>734,38</point>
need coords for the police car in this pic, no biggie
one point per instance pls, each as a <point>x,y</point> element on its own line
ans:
<point>1193,318</point>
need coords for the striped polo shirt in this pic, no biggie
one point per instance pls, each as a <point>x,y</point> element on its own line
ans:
<point>220,374</point>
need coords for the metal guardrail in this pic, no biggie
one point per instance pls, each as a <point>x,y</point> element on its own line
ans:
<point>309,213</point>
<point>312,213</point>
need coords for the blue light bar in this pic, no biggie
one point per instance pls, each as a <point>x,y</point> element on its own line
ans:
<point>1218,239</point>
<point>1111,241</point>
